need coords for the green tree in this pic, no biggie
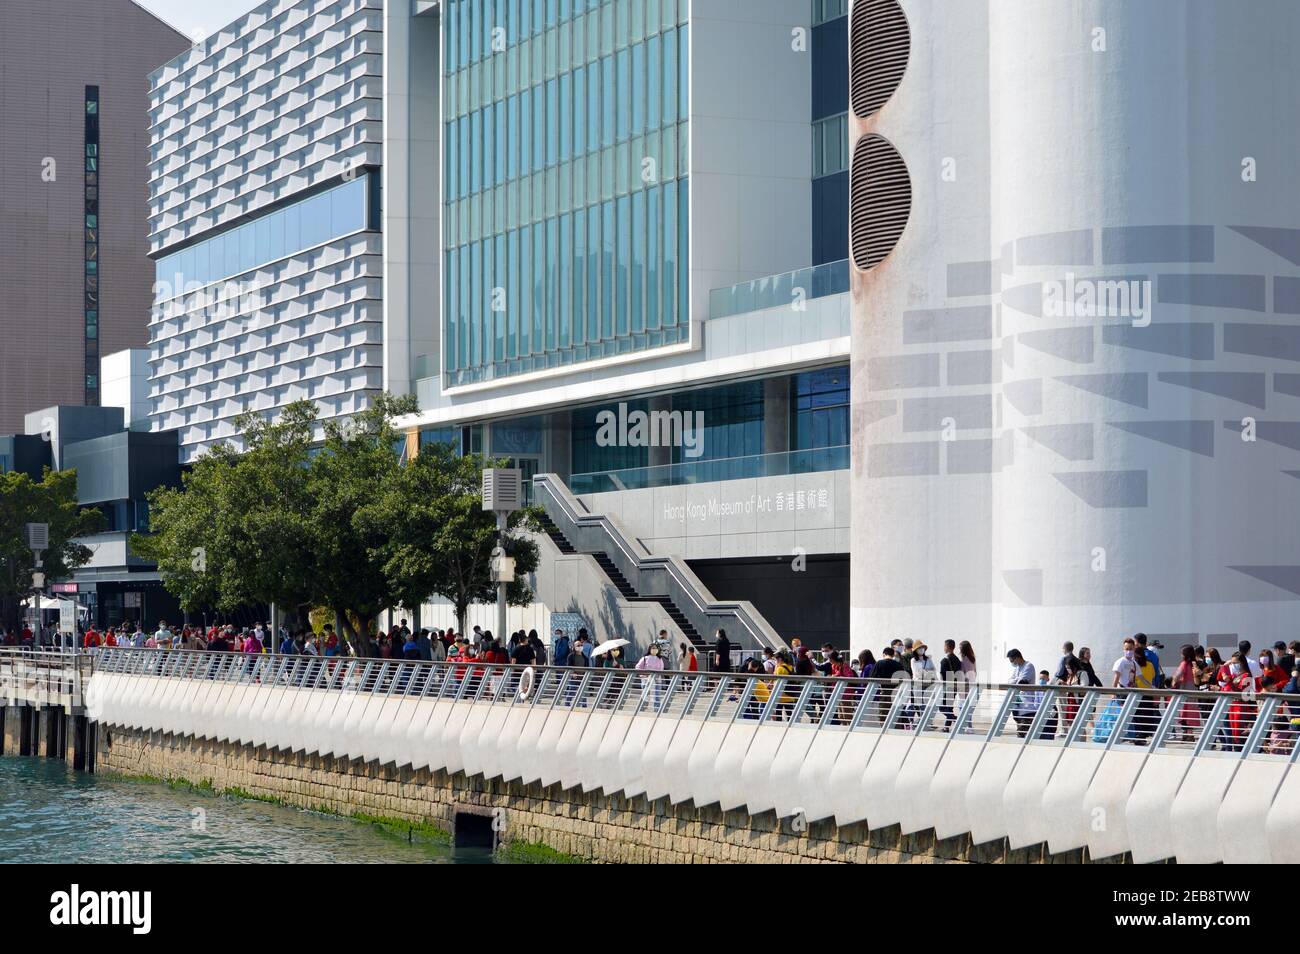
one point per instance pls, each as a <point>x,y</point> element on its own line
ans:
<point>447,545</point>
<point>344,525</point>
<point>355,474</point>
<point>236,532</point>
<point>51,500</point>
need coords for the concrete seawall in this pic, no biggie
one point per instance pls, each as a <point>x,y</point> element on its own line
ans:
<point>591,826</point>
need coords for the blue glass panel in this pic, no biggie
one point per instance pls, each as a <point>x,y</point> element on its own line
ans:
<point>526,132</point>
<point>552,121</point>
<point>608,242</point>
<point>654,81</point>
<point>624,93</point>
<point>504,142</point>
<point>539,288</point>
<point>670,255</point>
<point>476,302</point>
<point>525,287</point>
<point>512,298</point>
<point>499,296</point>
<point>638,89</point>
<point>624,262</point>
<point>564,252</point>
<point>593,274</point>
<point>579,111</point>
<point>552,280</point>
<point>578,314</point>
<point>684,69</point>
<point>566,117</point>
<point>638,262</point>
<point>593,106</point>
<point>462,341</point>
<point>670,78</point>
<point>489,145</point>
<point>510,140</point>
<point>654,318</point>
<point>248,247</point>
<point>539,130</point>
<point>608,120</point>
<point>476,151</point>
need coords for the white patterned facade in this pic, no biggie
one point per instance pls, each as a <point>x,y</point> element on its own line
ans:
<point>266,148</point>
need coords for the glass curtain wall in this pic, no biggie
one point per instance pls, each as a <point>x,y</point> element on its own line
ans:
<point>565,150</point>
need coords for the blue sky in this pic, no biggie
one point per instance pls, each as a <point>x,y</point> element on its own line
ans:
<point>199,16</point>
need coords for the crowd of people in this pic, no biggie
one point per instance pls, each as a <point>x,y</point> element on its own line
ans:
<point>1271,670</point>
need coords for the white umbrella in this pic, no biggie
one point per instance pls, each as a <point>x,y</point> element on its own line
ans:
<point>607,645</point>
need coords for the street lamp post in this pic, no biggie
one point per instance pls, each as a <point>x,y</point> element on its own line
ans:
<point>502,495</point>
<point>38,541</point>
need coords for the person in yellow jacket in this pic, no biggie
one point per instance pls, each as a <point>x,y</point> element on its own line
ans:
<point>763,687</point>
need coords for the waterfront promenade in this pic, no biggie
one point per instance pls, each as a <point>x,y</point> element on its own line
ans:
<point>1052,772</point>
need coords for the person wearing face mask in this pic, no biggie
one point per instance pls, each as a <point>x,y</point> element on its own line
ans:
<point>1241,711</point>
<point>923,676</point>
<point>1272,677</point>
<point>1125,667</point>
<point>651,664</point>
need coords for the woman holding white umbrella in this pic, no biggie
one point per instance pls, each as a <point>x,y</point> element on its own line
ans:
<point>610,654</point>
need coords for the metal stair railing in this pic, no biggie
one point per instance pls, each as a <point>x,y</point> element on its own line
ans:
<point>652,575</point>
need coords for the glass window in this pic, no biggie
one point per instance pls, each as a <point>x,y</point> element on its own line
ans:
<point>503,145</point>
<point>654,82</point>
<point>593,107</point>
<point>670,255</point>
<point>552,280</point>
<point>623,96</point>
<point>526,132</point>
<point>511,284</point>
<point>525,288</point>
<point>579,111</point>
<point>499,300</point>
<point>552,121</point>
<point>638,261</point>
<point>566,117</point>
<point>593,274</point>
<point>462,341</point>
<point>475,297</point>
<point>539,287</point>
<point>609,122</point>
<point>539,130</point>
<point>624,262</point>
<point>509,141</point>
<point>578,313</point>
<point>653,318</point>
<point>564,252</point>
<point>683,76</point>
<point>450,288</point>
<point>607,282</point>
<point>638,89</point>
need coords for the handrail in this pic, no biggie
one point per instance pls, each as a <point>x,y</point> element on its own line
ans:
<point>1193,722</point>
<point>702,604</point>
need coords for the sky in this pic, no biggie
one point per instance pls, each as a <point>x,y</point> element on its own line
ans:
<point>199,17</point>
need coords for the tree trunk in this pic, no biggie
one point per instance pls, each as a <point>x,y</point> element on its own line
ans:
<point>462,614</point>
<point>360,640</point>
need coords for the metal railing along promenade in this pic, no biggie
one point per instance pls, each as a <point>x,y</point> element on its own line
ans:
<point>1263,725</point>
<point>1197,776</point>
<point>41,676</point>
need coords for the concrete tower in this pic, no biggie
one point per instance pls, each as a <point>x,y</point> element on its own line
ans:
<point>1075,387</point>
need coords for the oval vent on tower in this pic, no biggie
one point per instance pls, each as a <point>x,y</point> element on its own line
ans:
<point>880,199</point>
<point>878,44</point>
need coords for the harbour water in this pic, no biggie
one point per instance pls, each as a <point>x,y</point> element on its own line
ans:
<point>48,813</point>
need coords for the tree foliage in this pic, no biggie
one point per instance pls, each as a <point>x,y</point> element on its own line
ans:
<point>51,500</point>
<point>342,523</point>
